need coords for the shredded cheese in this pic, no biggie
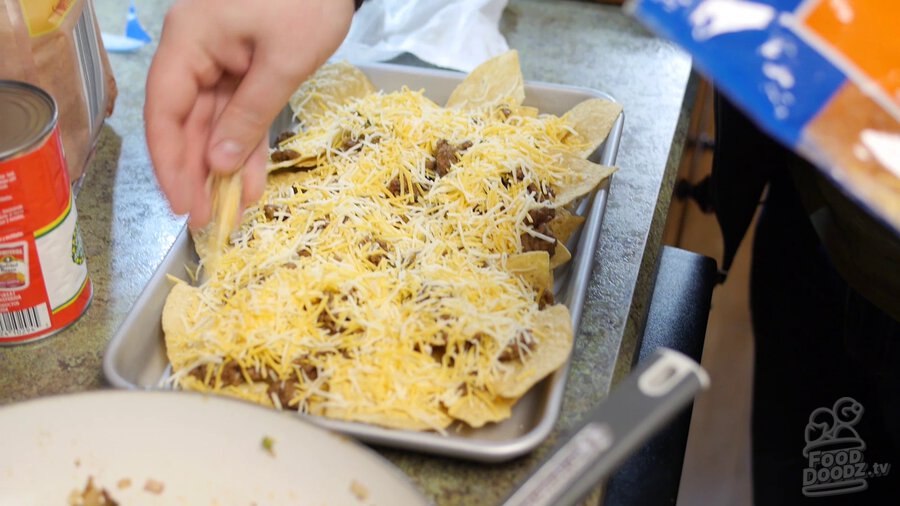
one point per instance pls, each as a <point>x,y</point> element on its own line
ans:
<point>377,304</point>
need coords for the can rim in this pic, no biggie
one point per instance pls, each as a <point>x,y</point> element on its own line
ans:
<point>45,131</point>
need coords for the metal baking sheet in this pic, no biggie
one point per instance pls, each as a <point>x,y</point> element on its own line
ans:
<point>136,359</point>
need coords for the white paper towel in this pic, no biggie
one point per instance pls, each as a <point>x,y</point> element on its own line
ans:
<point>456,34</point>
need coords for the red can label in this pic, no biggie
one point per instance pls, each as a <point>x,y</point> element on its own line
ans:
<point>44,284</point>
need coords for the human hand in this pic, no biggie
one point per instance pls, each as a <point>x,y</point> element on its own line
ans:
<point>222,72</point>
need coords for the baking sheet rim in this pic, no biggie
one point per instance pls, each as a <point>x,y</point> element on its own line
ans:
<point>578,276</point>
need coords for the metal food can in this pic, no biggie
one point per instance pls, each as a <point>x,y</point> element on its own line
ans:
<point>44,283</point>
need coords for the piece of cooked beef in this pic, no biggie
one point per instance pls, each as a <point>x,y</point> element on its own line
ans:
<point>541,215</point>
<point>395,186</point>
<point>532,243</point>
<point>272,211</point>
<point>283,390</point>
<point>283,136</point>
<point>284,155</point>
<point>517,348</point>
<point>545,299</point>
<point>446,155</point>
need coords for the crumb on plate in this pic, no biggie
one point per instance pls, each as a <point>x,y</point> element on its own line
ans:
<point>359,490</point>
<point>154,487</point>
<point>91,496</point>
<point>268,444</point>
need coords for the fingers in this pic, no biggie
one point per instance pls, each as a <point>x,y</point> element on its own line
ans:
<point>211,101</point>
<point>244,122</point>
<point>201,210</point>
<point>196,125</point>
<point>280,63</point>
<point>194,172</point>
<point>254,175</point>
<point>173,87</point>
<point>166,138</point>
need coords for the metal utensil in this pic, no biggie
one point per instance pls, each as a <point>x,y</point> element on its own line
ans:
<point>636,408</point>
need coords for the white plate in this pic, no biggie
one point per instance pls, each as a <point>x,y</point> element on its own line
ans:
<point>204,450</point>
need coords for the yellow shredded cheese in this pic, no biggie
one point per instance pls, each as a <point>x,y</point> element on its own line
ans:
<point>372,305</point>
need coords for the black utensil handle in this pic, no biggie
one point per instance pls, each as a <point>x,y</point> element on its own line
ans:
<point>640,405</point>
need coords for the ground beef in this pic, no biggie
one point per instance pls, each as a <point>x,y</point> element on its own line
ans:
<point>283,136</point>
<point>410,260</point>
<point>199,372</point>
<point>516,349</point>
<point>327,322</point>
<point>272,212</point>
<point>438,351</point>
<point>516,176</point>
<point>540,195</point>
<point>258,374</point>
<point>395,187</point>
<point>349,143</point>
<point>541,215</point>
<point>284,155</point>
<point>378,251</point>
<point>446,154</point>
<point>284,390</point>
<point>545,299</point>
<point>308,369</point>
<point>531,243</point>
<point>510,353</point>
<point>231,374</point>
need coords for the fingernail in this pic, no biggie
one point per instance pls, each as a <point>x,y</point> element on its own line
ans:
<point>226,155</point>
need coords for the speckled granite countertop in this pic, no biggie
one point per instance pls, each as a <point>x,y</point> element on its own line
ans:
<point>127,226</point>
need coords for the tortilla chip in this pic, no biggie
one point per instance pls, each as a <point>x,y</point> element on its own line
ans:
<point>182,302</point>
<point>479,408</point>
<point>226,204</point>
<point>527,111</point>
<point>554,333</point>
<point>592,120</point>
<point>310,146</point>
<point>256,393</point>
<point>564,224</point>
<point>393,419</point>
<point>582,178</point>
<point>288,176</point>
<point>494,82</point>
<point>300,163</point>
<point>183,299</point>
<point>331,86</point>
<point>560,256</point>
<point>533,267</point>
<point>200,238</point>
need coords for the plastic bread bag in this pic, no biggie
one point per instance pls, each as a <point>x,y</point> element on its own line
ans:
<point>820,76</point>
<point>454,34</point>
<point>55,45</point>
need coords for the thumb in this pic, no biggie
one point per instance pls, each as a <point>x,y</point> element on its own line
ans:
<point>245,120</point>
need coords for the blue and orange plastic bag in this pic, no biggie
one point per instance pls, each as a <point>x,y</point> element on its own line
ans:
<point>821,76</point>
